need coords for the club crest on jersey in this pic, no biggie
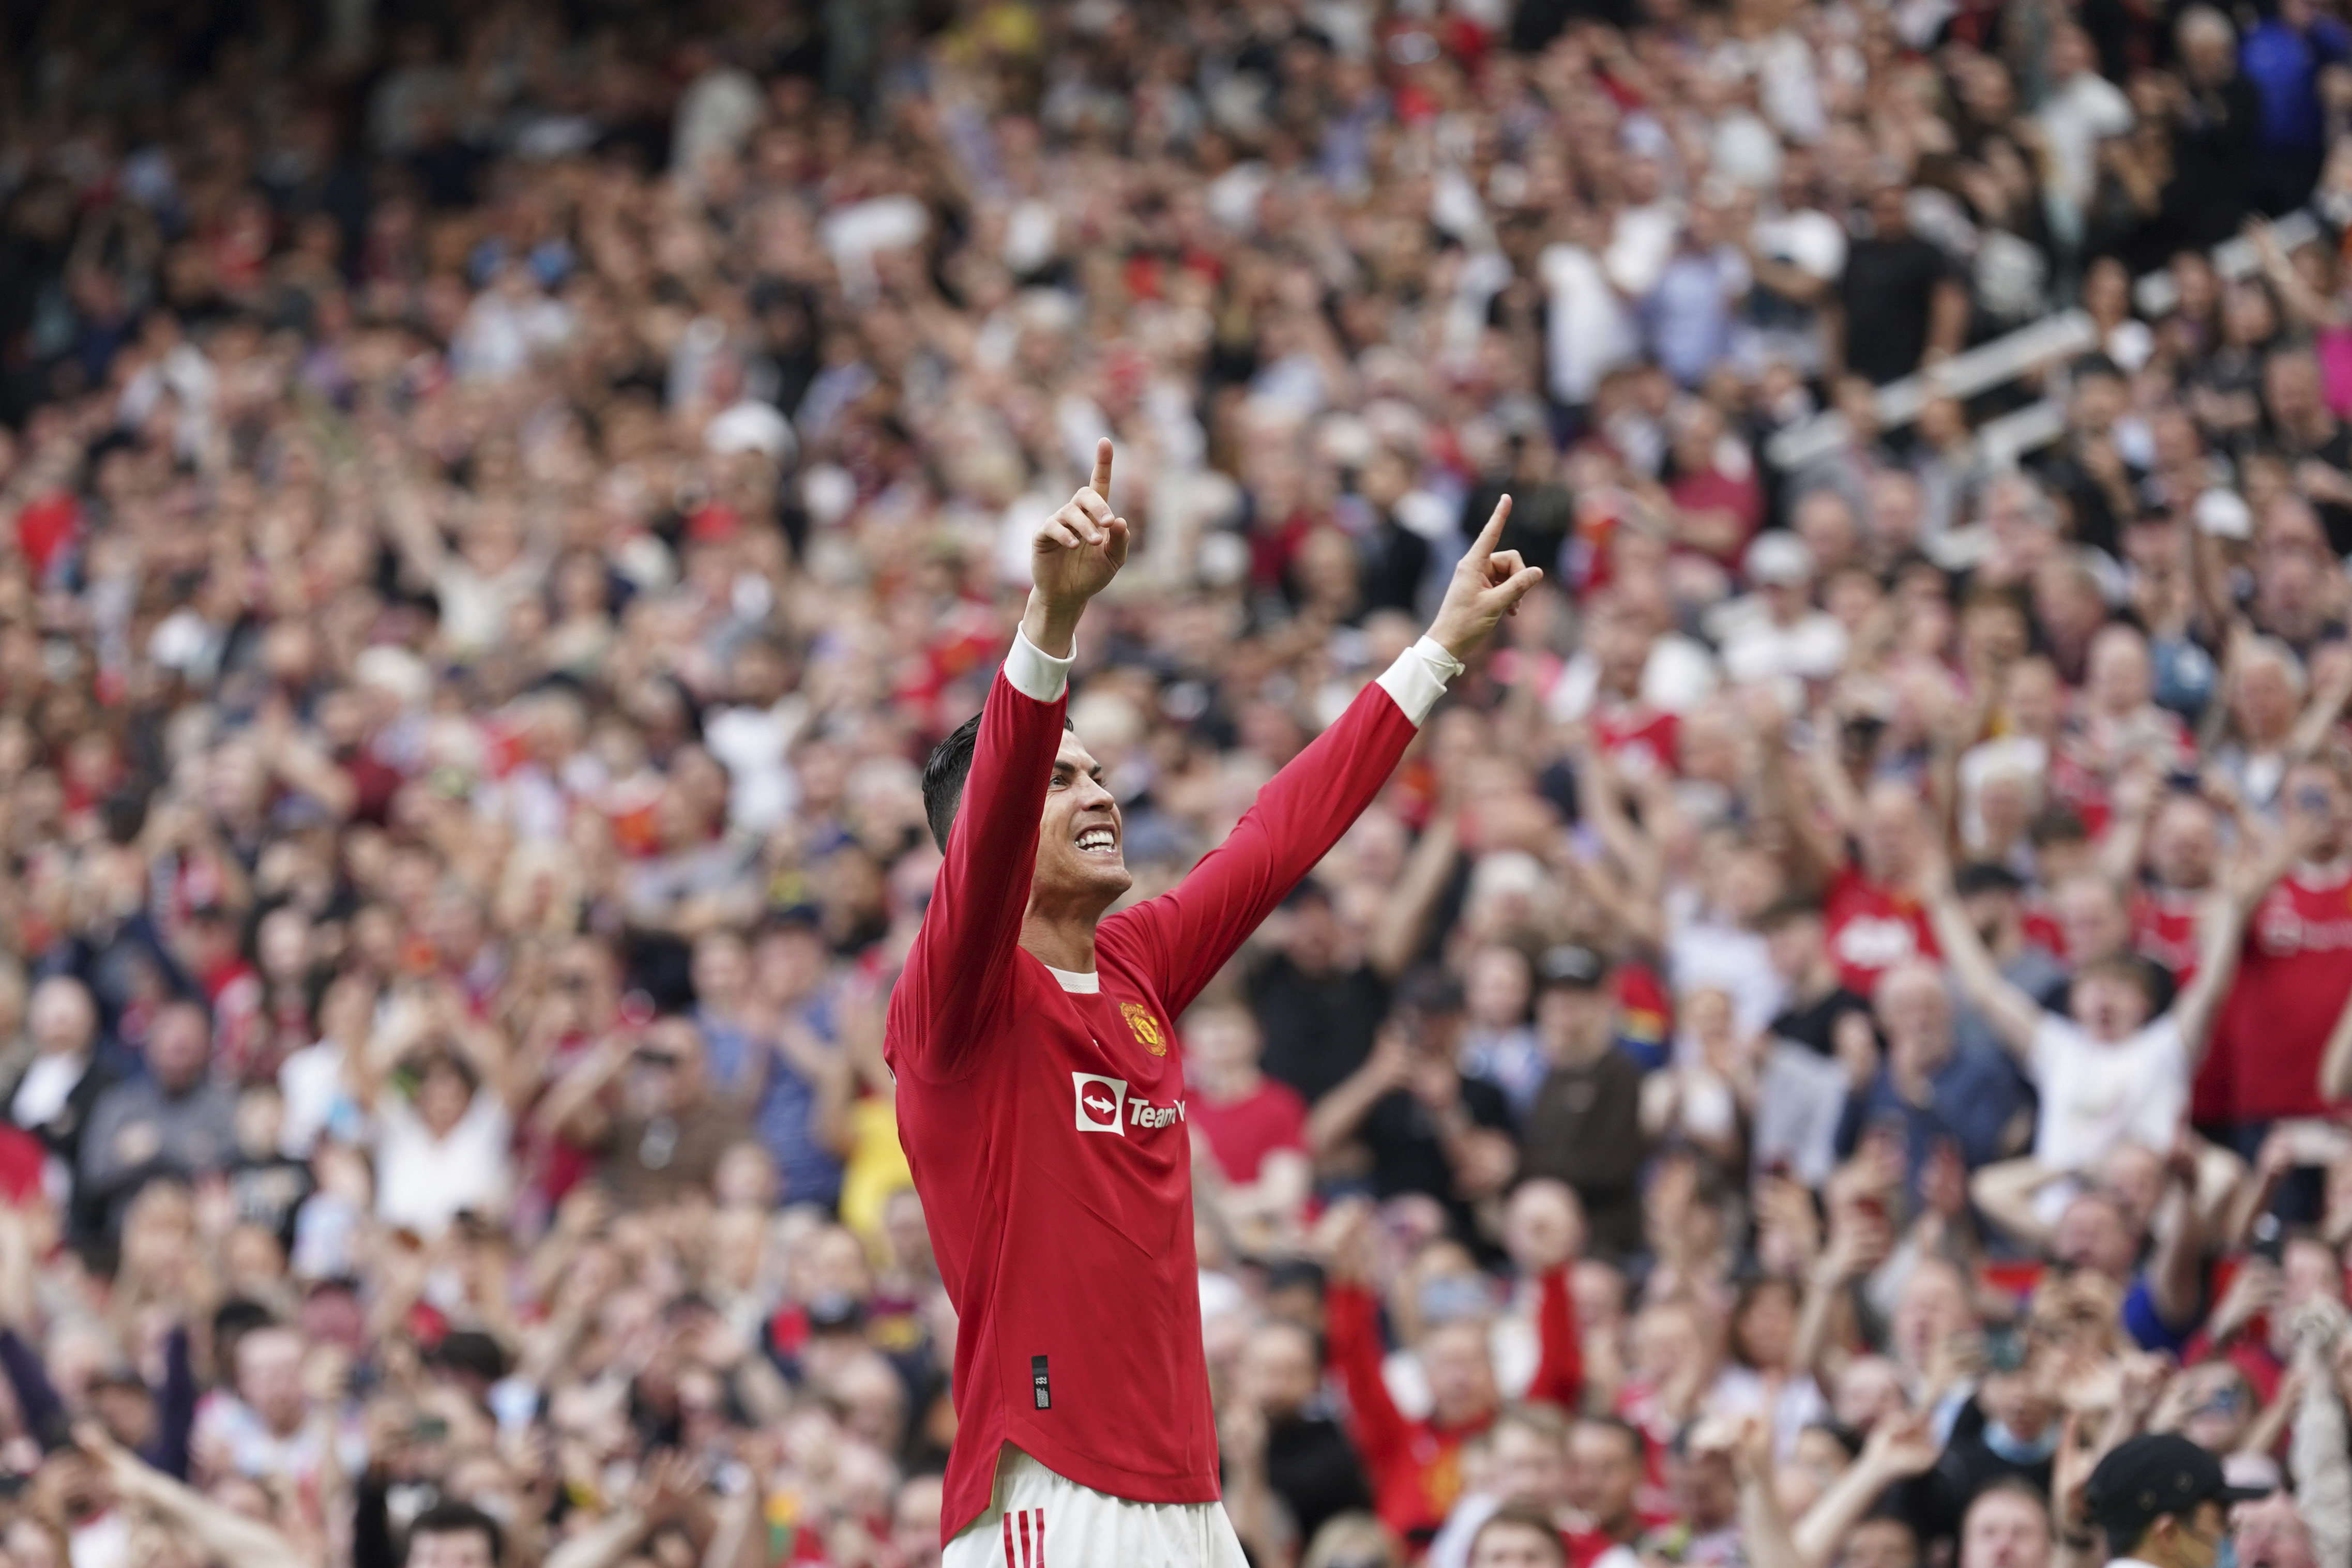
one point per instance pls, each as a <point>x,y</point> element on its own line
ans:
<point>1144,1027</point>
<point>1102,1104</point>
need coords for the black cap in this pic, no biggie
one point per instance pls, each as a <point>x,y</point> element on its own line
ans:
<point>2149,1477</point>
<point>1986,876</point>
<point>1570,964</point>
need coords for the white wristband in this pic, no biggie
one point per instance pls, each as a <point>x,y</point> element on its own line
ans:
<point>1418,678</point>
<point>1035,674</point>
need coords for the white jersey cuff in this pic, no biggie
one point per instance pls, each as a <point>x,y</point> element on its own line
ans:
<point>1035,674</point>
<point>1418,678</point>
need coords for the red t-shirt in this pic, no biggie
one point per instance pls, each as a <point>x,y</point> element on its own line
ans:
<point>2164,928</point>
<point>1242,1133</point>
<point>2294,974</point>
<point>21,1158</point>
<point>1872,928</point>
<point>1043,1118</point>
<point>1415,1466</point>
<point>1715,490</point>
<point>1638,737</point>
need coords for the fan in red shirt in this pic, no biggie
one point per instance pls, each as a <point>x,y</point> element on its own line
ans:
<point>1040,1100</point>
<point>1416,1465</point>
<point>1255,1126</point>
<point>1869,900</point>
<point>1640,739</point>
<point>2294,977</point>
<point>2176,835</point>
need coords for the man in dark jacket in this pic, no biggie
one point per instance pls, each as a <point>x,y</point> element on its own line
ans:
<point>1585,1125</point>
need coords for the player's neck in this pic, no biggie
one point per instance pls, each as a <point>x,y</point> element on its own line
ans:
<point>1060,941</point>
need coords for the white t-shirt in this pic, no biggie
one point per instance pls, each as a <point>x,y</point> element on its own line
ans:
<point>311,1080</point>
<point>423,1181</point>
<point>47,1084</point>
<point>2080,112</point>
<point>1588,334</point>
<point>2094,1096</point>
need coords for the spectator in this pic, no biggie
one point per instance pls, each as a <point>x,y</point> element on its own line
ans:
<point>1583,1126</point>
<point>174,1122</point>
<point>2008,1526</point>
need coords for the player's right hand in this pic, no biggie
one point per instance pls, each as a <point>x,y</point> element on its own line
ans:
<point>1080,548</point>
<point>1487,585</point>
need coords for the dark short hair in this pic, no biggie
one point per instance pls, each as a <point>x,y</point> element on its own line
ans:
<point>1430,989</point>
<point>1624,1431</point>
<point>458,1518</point>
<point>1514,1517</point>
<point>1978,877</point>
<point>2129,967</point>
<point>943,775</point>
<point>1787,908</point>
<point>2015,1486</point>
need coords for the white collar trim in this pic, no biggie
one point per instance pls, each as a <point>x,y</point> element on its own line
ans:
<point>1087,984</point>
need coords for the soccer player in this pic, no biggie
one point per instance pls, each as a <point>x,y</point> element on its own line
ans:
<point>1041,1101</point>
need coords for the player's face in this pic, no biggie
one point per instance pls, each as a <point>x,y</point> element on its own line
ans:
<point>1081,849</point>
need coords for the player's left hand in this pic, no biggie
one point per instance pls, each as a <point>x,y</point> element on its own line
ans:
<point>1079,550</point>
<point>1487,585</point>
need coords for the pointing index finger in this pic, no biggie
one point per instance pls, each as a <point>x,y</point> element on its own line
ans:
<point>1100,483</point>
<point>1483,547</point>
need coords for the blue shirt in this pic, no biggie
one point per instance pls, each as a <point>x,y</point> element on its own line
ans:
<point>1971,1101</point>
<point>2147,1326</point>
<point>2285,66</point>
<point>1688,317</point>
<point>806,1167</point>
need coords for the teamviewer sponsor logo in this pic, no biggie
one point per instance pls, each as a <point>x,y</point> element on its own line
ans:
<point>1102,1104</point>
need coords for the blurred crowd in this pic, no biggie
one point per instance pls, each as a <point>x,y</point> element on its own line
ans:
<point>498,500</point>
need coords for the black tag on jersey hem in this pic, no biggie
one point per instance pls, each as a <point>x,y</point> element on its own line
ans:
<point>1040,1384</point>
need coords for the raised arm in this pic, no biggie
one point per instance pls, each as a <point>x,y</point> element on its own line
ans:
<point>1404,915</point>
<point>1186,934</point>
<point>1352,1337</point>
<point>958,973</point>
<point>2175,1269</point>
<point>1559,1371</point>
<point>2227,910</point>
<point>175,1408</point>
<point>219,1533</point>
<point>42,1412</point>
<point>1900,1447</point>
<point>1808,852</point>
<point>2014,1016</point>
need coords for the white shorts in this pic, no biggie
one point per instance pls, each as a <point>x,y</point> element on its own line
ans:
<point>1039,1519</point>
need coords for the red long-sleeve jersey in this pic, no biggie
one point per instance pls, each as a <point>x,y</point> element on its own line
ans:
<point>1043,1114</point>
<point>1416,1466</point>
